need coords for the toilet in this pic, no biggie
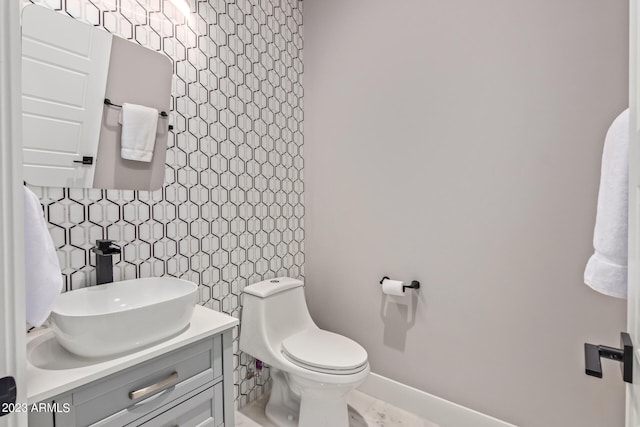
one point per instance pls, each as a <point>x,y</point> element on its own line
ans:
<point>312,370</point>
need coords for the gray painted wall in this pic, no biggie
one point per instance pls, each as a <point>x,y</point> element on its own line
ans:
<point>459,143</point>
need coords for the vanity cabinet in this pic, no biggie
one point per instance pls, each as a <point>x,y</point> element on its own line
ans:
<point>189,386</point>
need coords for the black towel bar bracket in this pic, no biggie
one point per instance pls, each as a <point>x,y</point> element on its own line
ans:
<point>414,284</point>
<point>162,114</point>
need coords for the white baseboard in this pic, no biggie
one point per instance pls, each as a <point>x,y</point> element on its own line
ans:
<point>425,405</point>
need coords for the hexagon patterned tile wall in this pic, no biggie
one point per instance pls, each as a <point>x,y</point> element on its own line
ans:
<point>231,210</point>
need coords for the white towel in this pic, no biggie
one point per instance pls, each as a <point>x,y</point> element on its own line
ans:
<point>43,278</point>
<point>139,127</point>
<point>606,271</point>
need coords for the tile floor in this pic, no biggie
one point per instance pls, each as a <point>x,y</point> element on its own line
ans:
<point>364,411</point>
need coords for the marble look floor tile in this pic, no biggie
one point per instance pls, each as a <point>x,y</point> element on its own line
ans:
<point>382,414</point>
<point>244,421</point>
<point>360,401</point>
<point>255,411</point>
<point>364,411</point>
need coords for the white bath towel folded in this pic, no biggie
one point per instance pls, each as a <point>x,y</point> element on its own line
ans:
<point>43,278</point>
<point>606,270</point>
<point>139,127</point>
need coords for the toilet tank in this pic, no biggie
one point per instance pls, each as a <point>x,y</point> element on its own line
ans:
<point>272,310</point>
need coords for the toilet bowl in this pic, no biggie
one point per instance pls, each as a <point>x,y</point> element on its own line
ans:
<point>312,369</point>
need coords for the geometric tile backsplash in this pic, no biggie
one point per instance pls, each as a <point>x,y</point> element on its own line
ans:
<point>231,211</point>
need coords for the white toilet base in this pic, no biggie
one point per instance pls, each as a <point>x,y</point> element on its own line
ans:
<point>283,406</point>
<point>299,402</point>
<point>320,411</point>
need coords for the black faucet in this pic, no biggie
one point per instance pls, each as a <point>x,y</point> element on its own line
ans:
<point>104,251</point>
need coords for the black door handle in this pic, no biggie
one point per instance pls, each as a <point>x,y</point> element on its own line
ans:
<point>86,160</point>
<point>624,355</point>
<point>8,392</point>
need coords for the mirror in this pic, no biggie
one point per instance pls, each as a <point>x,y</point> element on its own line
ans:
<point>94,106</point>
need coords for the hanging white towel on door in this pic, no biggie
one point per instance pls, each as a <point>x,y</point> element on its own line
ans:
<point>139,128</point>
<point>606,270</point>
<point>43,278</point>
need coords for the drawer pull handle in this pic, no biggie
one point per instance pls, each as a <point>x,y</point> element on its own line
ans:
<point>137,394</point>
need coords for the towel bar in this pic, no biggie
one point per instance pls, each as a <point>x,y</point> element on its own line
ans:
<point>108,102</point>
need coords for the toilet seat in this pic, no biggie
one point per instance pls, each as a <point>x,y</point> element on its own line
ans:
<point>325,352</point>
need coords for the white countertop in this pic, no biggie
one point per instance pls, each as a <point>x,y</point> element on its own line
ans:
<point>52,370</point>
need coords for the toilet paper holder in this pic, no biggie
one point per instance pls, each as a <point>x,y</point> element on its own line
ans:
<point>414,284</point>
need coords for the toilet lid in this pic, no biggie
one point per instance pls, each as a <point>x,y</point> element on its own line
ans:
<point>324,351</point>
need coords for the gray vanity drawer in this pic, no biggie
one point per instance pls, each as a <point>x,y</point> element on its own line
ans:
<point>107,403</point>
<point>204,409</point>
<point>138,414</point>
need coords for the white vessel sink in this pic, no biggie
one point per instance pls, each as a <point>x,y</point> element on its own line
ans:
<point>122,316</point>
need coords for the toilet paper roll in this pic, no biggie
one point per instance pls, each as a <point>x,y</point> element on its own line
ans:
<point>393,287</point>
